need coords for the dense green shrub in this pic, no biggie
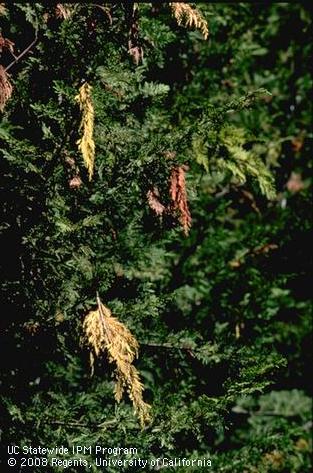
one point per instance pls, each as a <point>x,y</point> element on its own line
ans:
<point>222,315</point>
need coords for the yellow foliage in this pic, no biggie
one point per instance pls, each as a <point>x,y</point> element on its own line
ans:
<point>86,143</point>
<point>185,14</point>
<point>105,333</point>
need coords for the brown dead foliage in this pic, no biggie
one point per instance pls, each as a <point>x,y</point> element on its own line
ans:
<point>75,182</point>
<point>5,88</point>
<point>153,197</point>
<point>134,46</point>
<point>295,183</point>
<point>5,43</point>
<point>178,195</point>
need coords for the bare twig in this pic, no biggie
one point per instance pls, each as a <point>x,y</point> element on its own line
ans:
<point>12,54</point>
<point>101,315</point>
<point>168,346</point>
<point>17,58</point>
<point>83,424</point>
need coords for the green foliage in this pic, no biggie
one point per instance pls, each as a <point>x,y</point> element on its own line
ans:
<point>223,315</point>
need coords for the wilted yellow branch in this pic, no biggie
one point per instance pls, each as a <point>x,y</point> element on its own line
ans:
<point>105,334</point>
<point>185,14</point>
<point>86,143</point>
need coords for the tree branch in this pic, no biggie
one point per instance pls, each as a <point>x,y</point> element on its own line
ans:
<point>83,424</point>
<point>17,58</point>
<point>168,346</point>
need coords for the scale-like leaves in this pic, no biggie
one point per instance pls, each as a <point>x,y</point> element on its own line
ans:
<point>106,334</point>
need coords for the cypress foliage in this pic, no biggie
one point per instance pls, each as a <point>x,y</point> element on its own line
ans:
<point>157,155</point>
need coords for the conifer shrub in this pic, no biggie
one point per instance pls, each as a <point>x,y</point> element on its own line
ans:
<point>155,166</point>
